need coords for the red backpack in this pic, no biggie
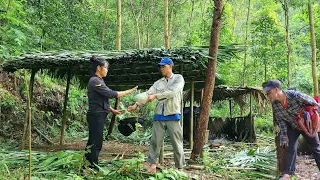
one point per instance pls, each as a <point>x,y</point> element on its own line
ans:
<point>308,120</point>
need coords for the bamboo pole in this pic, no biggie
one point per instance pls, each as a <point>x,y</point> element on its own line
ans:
<point>29,121</point>
<point>191,115</point>
<point>30,90</point>
<point>118,42</point>
<point>64,117</point>
<point>104,24</point>
<point>166,29</point>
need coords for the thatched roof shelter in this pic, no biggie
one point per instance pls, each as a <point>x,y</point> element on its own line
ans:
<point>235,93</point>
<point>127,68</point>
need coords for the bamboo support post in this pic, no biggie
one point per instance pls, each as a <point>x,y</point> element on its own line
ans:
<point>64,112</point>
<point>30,95</point>
<point>191,115</point>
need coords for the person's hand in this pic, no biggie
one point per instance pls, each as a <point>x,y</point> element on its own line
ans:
<point>151,98</point>
<point>133,89</point>
<point>285,145</point>
<point>132,108</point>
<point>116,111</point>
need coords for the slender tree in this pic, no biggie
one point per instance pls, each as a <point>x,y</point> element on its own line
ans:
<point>166,28</point>
<point>104,24</point>
<point>171,18</point>
<point>210,80</point>
<point>118,42</point>
<point>246,46</point>
<point>190,19</point>
<point>203,10</point>
<point>285,7</point>
<point>314,51</point>
<point>136,16</point>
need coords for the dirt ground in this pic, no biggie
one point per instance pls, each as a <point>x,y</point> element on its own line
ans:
<point>112,149</point>
<point>306,166</point>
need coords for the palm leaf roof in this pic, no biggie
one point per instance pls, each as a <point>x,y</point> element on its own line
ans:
<point>127,67</point>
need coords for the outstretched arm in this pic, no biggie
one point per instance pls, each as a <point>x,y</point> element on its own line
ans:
<point>129,91</point>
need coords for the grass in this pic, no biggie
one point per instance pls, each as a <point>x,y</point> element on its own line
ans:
<point>235,161</point>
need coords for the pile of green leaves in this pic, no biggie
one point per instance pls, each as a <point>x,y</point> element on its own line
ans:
<point>68,165</point>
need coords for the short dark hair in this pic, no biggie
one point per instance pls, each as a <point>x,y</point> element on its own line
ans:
<point>274,83</point>
<point>97,61</point>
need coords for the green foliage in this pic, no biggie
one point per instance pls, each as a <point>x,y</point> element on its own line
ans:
<point>263,124</point>
<point>171,174</point>
<point>263,161</point>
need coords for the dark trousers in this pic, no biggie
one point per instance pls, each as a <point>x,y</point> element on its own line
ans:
<point>96,123</point>
<point>291,150</point>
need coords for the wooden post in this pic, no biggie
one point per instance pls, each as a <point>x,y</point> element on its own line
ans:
<point>251,121</point>
<point>28,113</point>
<point>230,109</point>
<point>201,96</point>
<point>64,111</point>
<point>113,119</point>
<point>191,115</point>
<point>29,117</point>
<point>182,104</point>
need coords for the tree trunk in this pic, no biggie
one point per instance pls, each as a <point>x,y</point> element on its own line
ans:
<point>142,25</point>
<point>246,47</point>
<point>235,16</point>
<point>171,19</point>
<point>203,10</point>
<point>166,29</point>
<point>285,7</point>
<point>103,25</point>
<point>136,19</point>
<point>150,11</point>
<point>314,53</point>
<point>210,80</point>
<point>190,19</point>
<point>118,43</point>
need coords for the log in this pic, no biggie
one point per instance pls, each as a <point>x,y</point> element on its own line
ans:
<point>44,136</point>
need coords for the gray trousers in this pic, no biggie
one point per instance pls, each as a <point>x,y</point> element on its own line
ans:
<point>175,132</point>
<point>291,150</point>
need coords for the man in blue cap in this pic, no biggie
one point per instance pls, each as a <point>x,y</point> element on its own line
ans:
<point>168,92</point>
<point>286,105</point>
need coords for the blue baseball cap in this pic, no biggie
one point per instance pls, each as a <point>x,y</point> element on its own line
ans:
<point>272,84</point>
<point>165,61</point>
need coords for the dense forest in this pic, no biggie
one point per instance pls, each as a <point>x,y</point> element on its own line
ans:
<point>92,25</point>
<point>278,40</point>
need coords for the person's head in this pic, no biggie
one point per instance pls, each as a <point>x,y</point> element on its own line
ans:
<point>99,66</point>
<point>273,89</point>
<point>166,65</point>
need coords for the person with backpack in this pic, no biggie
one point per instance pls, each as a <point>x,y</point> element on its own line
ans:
<point>296,113</point>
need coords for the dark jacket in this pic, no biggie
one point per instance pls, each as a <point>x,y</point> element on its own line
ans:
<point>99,95</point>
